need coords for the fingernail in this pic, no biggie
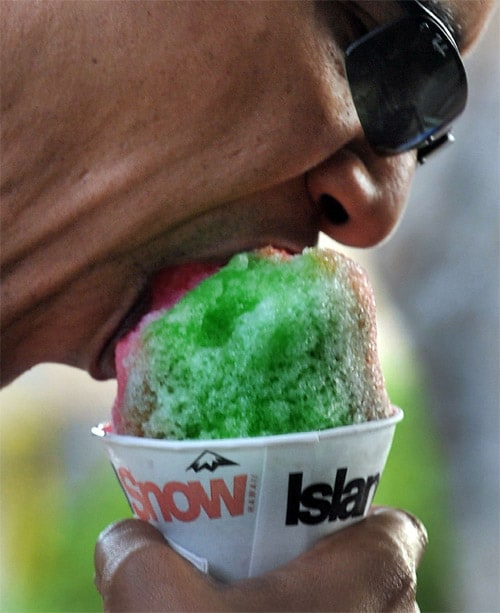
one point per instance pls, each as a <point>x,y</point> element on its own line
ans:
<point>379,510</point>
<point>419,526</point>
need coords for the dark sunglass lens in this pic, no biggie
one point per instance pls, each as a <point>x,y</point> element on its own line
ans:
<point>407,82</point>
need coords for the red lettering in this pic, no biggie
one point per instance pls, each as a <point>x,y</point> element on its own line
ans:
<point>143,496</point>
<point>193,502</point>
<point>235,502</point>
<point>147,488</point>
<point>140,503</point>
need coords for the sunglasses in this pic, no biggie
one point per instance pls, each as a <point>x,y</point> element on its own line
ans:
<point>408,83</point>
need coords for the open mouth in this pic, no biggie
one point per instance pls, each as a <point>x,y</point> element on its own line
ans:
<point>167,287</point>
<point>104,366</point>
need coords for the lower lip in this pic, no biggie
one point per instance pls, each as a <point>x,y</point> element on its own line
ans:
<point>158,296</point>
<point>104,365</point>
<point>103,368</point>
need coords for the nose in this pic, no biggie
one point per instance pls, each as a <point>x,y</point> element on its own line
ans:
<point>361,195</point>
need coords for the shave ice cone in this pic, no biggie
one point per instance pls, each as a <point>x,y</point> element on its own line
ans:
<point>251,417</point>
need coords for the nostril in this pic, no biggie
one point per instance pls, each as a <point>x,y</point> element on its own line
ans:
<point>333,210</point>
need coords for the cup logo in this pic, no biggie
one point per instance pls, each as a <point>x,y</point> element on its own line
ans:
<point>319,502</point>
<point>310,504</point>
<point>184,501</point>
<point>209,460</point>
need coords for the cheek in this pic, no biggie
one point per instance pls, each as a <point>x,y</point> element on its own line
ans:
<point>402,174</point>
<point>270,93</point>
<point>239,106</point>
<point>292,114</point>
<point>394,184</point>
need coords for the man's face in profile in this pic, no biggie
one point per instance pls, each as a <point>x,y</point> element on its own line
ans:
<point>144,135</point>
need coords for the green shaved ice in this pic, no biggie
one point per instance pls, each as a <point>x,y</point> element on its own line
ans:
<point>265,346</point>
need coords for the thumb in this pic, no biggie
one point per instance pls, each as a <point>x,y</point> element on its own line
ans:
<point>136,570</point>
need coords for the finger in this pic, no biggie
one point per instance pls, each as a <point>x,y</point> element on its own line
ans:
<point>370,566</point>
<point>116,542</point>
<point>407,526</point>
<point>137,571</point>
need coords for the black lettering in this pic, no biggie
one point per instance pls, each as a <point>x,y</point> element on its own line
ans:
<point>353,495</point>
<point>371,484</point>
<point>316,508</point>
<point>319,501</point>
<point>293,500</point>
<point>337,494</point>
<point>321,505</point>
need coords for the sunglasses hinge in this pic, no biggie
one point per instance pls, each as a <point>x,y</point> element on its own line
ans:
<point>432,145</point>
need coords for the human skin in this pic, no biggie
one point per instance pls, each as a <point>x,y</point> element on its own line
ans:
<point>343,572</point>
<point>139,135</point>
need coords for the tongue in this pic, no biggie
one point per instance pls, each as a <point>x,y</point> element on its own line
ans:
<point>168,287</point>
<point>170,284</point>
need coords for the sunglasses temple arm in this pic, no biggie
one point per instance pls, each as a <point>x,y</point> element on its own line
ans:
<point>432,146</point>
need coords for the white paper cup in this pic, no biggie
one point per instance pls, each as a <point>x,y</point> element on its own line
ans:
<point>240,507</point>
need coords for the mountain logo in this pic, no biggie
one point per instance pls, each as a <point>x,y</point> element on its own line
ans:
<point>209,460</point>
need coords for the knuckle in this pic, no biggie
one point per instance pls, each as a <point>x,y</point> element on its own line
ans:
<point>395,566</point>
<point>128,580</point>
<point>400,582</point>
<point>403,590</point>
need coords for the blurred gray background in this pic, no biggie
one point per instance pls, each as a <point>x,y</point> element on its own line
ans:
<point>442,270</point>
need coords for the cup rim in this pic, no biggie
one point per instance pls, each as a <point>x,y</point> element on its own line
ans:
<point>102,431</point>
